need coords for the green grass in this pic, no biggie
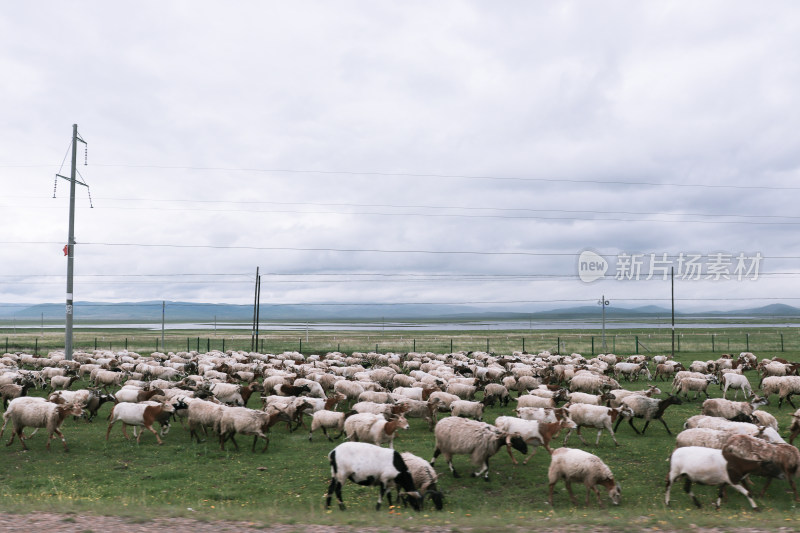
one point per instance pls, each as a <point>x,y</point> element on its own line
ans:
<point>287,484</point>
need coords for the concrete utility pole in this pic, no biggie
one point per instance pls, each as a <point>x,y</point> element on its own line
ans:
<point>71,240</point>
<point>604,303</point>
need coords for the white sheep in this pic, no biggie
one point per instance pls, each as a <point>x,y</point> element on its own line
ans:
<point>744,428</point>
<point>696,385</point>
<point>375,429</point>
<point>572,464</point>
<point>737,382</point>
<point>367,464</point>
<point>425,478</point>
<point>531,400</point>
<point>592,383</point>
<point>230,393</point>
<point>136,414</point>
<point>763,418</point>
<point>708,466</point>
<point>595,416</point>
<point>326,420</point>
<point>37,413</point>
<point>735,411</point>
<point>246,421</point>
<point>705,437</point>
<point>477,439</point>
<point>533,432</point>
<point>541,414</point>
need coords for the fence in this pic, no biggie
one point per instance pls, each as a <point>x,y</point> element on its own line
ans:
<point>646,342</point>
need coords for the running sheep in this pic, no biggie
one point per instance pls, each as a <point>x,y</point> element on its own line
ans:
<point>734,411</point>
<point>648,409</point>
<point>534,433</point>
<point>477,439</point>
<point>596,416</point>
<point>425,479</point>
<point>368,464</point>
<point>576,465</point>
<point>37,413</point>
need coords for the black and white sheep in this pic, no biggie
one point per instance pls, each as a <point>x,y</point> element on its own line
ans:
<point>368,464</point>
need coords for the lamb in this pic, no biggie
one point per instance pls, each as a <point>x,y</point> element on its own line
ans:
<point>135,414</point>
<point>367,464</point>
<point>246,422</point>
<point>648,409</point>
<point>572,464</point>
<point>477,439</point>
<point>326,420</point>
<point>734,411</point>
<point>708,466</point>
<point>737,382</point>
<point>37,413</point>
<point>425,479</point>
<point>776,459</point>
<point>371,428</point>
<point>596,416</point>
<point>532,432</point>
<point>697,385</point>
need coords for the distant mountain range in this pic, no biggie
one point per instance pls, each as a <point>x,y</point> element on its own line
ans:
<point>204,312</point>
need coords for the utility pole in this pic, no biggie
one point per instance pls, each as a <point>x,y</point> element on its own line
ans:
<point>604,303</point>
<point>163,313</point>
<point>256,310</point>
<point>71,241</point>
<point>672,283</point>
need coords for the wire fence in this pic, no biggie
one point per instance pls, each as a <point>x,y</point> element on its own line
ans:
<point>499,342</point>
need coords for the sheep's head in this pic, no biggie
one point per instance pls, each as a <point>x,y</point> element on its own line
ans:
<point>615,493</point>
<point>517,443</point>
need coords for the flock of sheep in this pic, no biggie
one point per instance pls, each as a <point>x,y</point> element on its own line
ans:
<point>369,397</point>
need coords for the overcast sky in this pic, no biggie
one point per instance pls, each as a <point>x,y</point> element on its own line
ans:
<point>445,152</point>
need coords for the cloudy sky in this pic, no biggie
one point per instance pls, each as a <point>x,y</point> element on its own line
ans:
<point>437,152</point>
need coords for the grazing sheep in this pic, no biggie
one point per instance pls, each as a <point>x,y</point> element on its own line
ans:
<point>532,432</point>
<point>648,409</point>
<point>571,465</point>
<point>596,416</point>
<point>11,391</point>
<point>37,413</point>
<point>367,464</point>
<point>425,479</point>
<point>734,411</point>
<point>477,439</point>
<point>708,466</point>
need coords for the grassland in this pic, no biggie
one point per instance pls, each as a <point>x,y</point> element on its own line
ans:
<point>287,483</point>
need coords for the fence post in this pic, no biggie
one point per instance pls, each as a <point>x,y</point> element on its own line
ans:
<point>126,344</point>
<point>223,344</point>
<point>637,344</point>
<point>208,344</point>
<point>679,341</point>
<point>712,343</point>
<point>487,345</point>
<point>747,335</point>
<point>198,344</point>
<point>36,347</point>
<point>6,345</point>
<point>188,349</point>
<point>157,339</point>
<point>523,344</point>
<point>592,345</point>
<point>781,342</point>
<point>413,349</point>
<point>338,347</point>
<point>558,345</point>
<point>451,345</point>
<point>301,346</point>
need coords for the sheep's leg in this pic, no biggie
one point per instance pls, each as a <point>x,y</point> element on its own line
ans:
<point>669,488</point>
<point>63,440</point>
<point>596,493</point>
<point>335,486</point>
<point>21,438</point>
<point>597,442</point>
<point>154,432</point>
<point>566,437</point>
<point>578,432</point>
<point>572,497</point>
<point>510,454</point>
<point>452,468</point>
<point>665,425</point>
<point>789,399</point>
<point>647,423</point>
<point>630,421</point>
<point>483,471</point>
<point>380,496</point>
<point>746,494</point>
<point>687,487</point>
<point>125,432</point>
<point>533,452</point>
<point>550,493</point>
<point>108,431</point>
<point>233,440</point>
<point>794,435</point>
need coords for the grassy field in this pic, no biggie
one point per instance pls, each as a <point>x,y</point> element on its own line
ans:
<point>287,483</point>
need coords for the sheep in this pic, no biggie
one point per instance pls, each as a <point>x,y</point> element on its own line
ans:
<point>350,389</point>
<point>736,382</point>
<point>315,390</point>
<point>648,409</point>
<point>734,411</point>
<point>794,428</point>
<point>136,414</point>
<point>468,409</point>
<point>107,378</point>
<point>385,409</point>
<point>498,391</point>
<point>704,367</point>
<point>367,464</point>
<point>592,383</point>
<point>541,414</point>
<point>788,386</point>
<point>132,395</point>
<point>776,459</point>
<point>595,416</point>
<point>246,421</point>
<point>744,428</point>
<point>10,391</point>
<point>763,418</point>
<point>706,437</point>
<point>683,374</point>
<point>200,414</point>
<point>531,400</point>
<point>372,428</point>
<point>572,464</point>
<point>292,390</point>
<point>532,432</point>
<point>425,479</point>
<point>631,371</point>
<point>326,420</point>
<point>697,385</point>
<point>477,439</point>
<point>590,399</point>
<point>667,369</point>
<point>443,399</point>
<point>62,382</point>
<point>163,419</point>
<point>708,466</point>
<point>427,411</point>
<point>37,413</point>
<point>230,393</point>
<point>375,397</point>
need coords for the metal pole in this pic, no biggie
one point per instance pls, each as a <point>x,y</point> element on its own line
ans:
<point>672,283</point>
<point>255,305</point>
<point>163,313</point>
<point>71,246</point>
